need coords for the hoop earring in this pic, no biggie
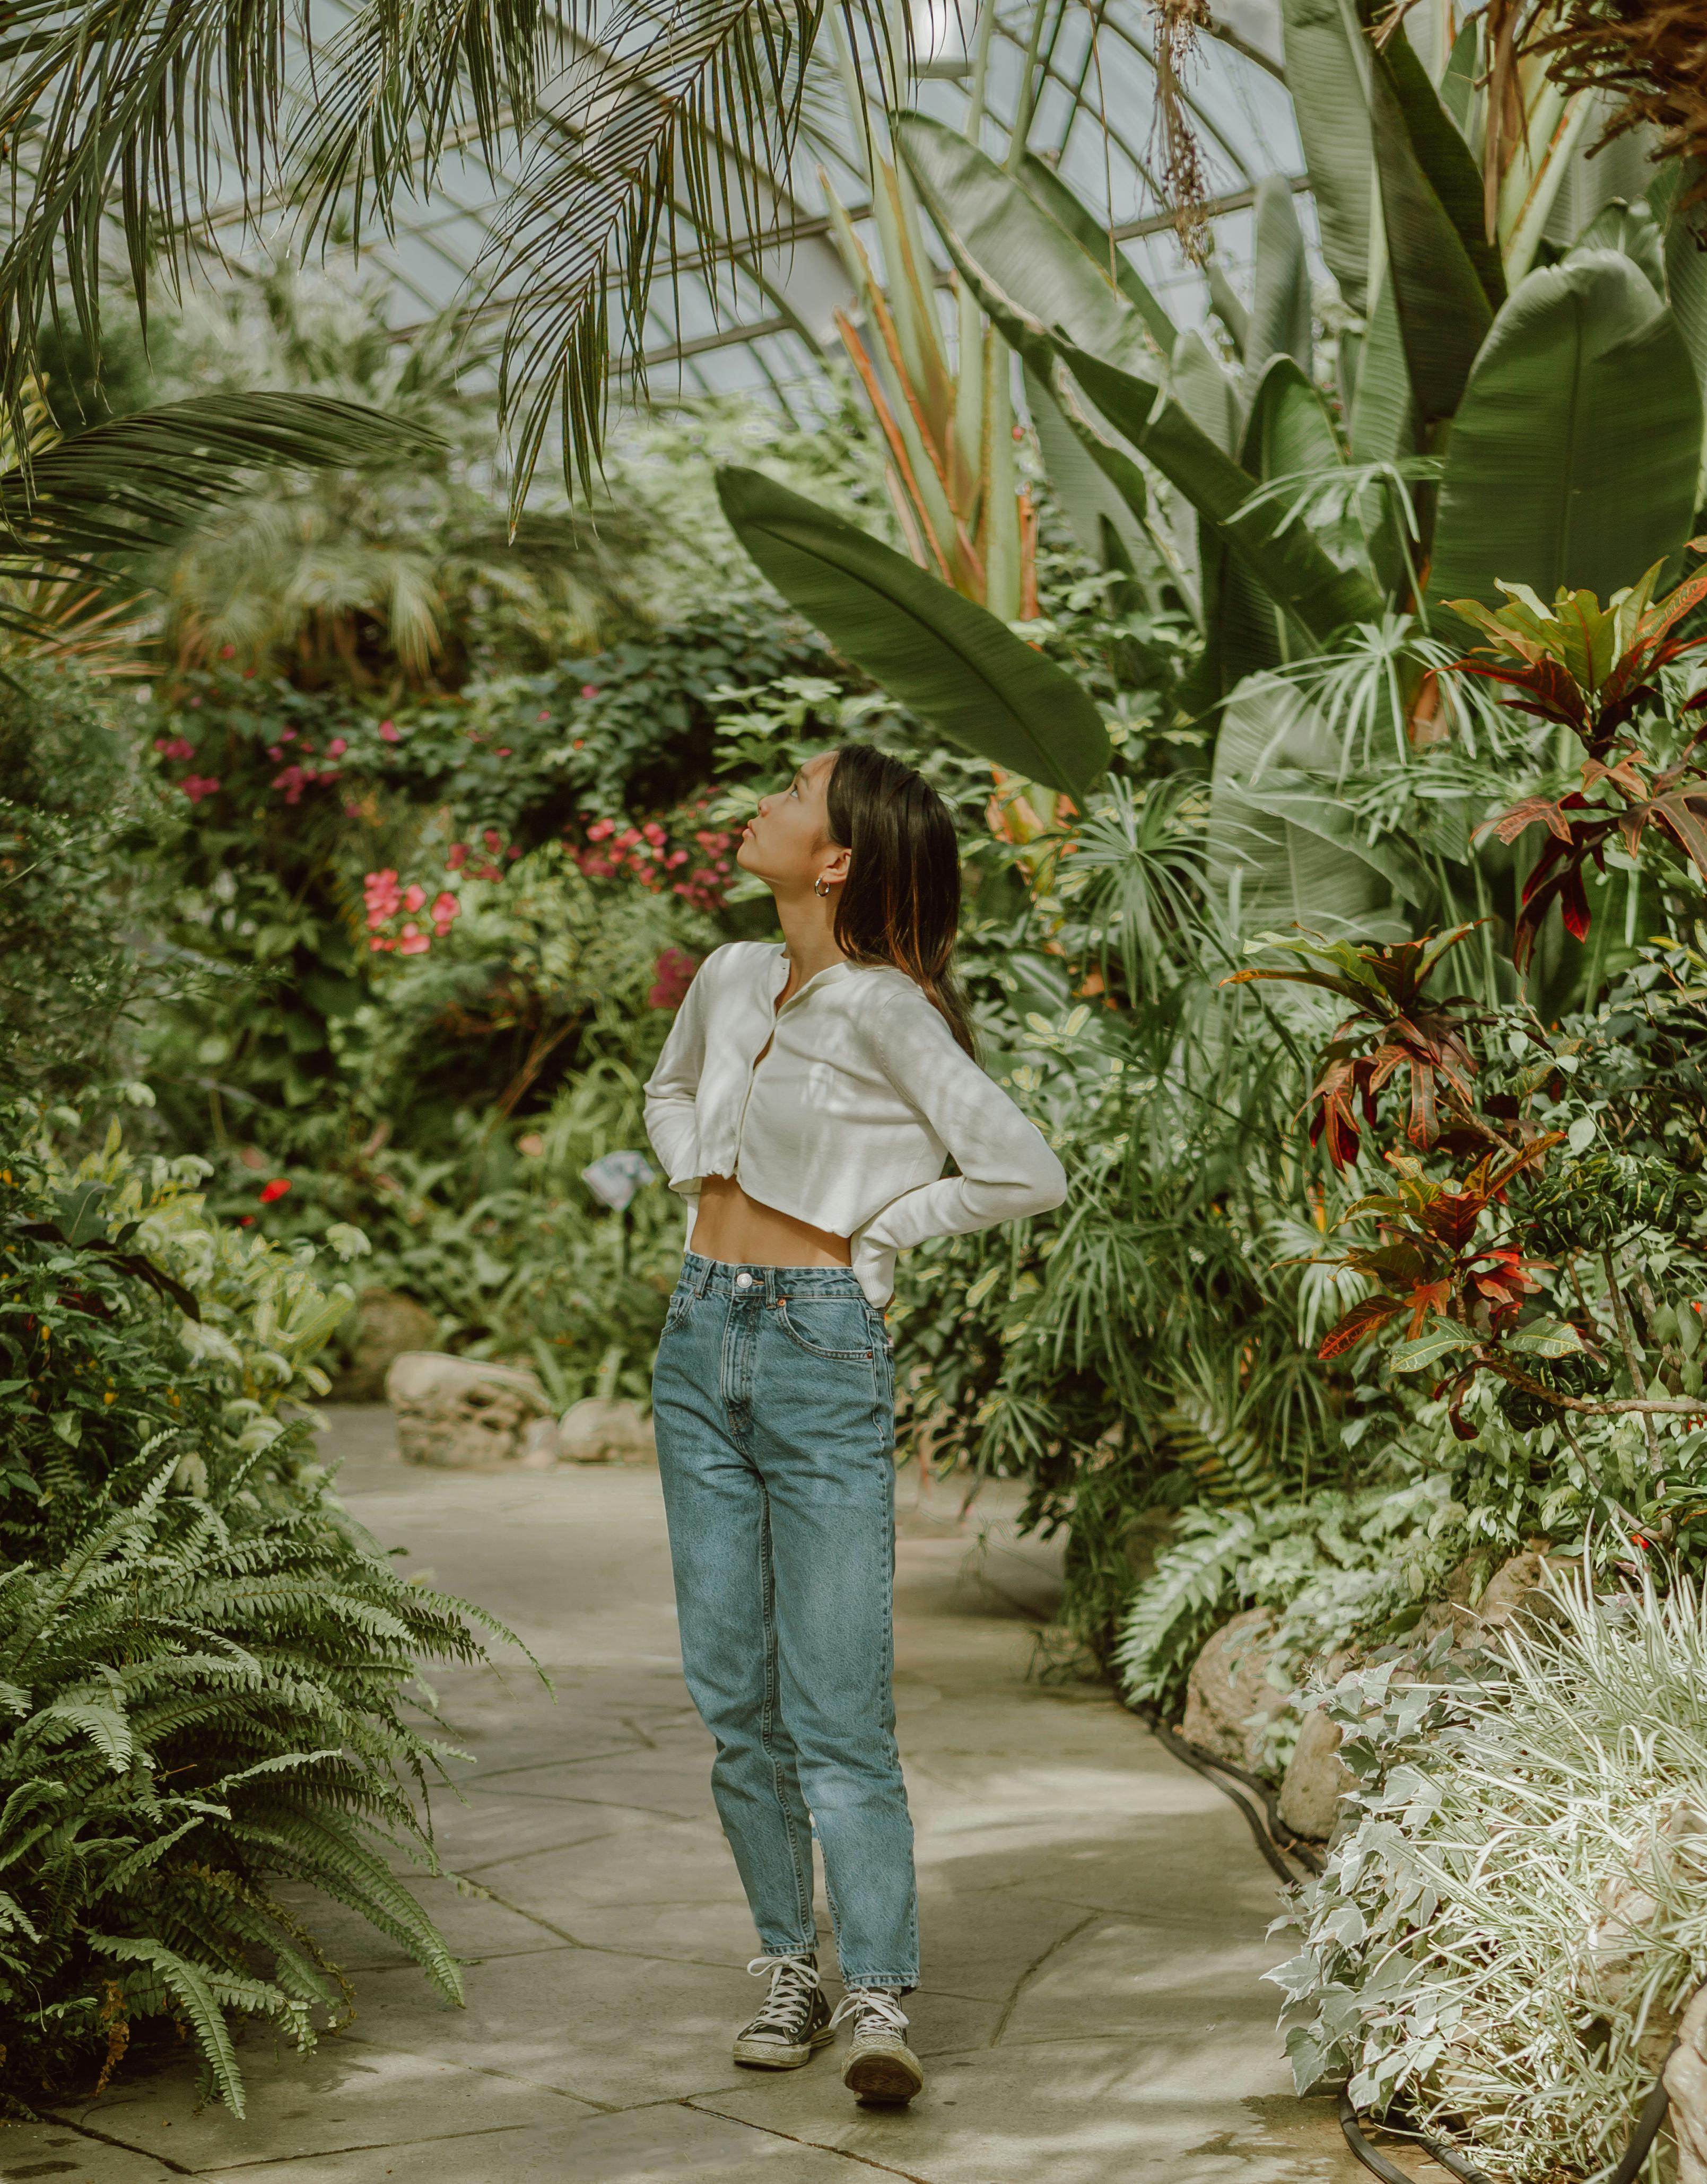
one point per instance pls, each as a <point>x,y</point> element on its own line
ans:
<point>822,889</point>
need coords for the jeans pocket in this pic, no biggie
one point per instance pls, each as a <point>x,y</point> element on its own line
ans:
<point>681,1305</point>
<point>827,1326</point>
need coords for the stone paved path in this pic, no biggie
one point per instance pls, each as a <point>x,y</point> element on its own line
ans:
<point>1092,1913</point>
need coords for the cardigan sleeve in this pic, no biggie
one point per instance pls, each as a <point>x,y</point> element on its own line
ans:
<point>672,1090</point>
<point>1007,1169</point>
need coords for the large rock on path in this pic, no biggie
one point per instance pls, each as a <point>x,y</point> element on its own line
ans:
<point>1316,1778</point>
<point>462,1414</point>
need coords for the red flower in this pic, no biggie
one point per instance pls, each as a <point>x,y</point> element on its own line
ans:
<point>275,1190</point>
<point>388,733</point>
<point>382,897</point>
<point>445,909</point>
<point>458,857</point>
<point>414,942</point>
<point>492,839</point>
<point>336,747</point>
<point>414,896</point>
<point>196,786</point>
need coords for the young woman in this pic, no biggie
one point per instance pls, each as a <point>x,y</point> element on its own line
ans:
<point>805,1105</point>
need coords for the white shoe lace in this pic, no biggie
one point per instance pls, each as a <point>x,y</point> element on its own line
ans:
<point>793,1981</point>
<point>876,2010</point>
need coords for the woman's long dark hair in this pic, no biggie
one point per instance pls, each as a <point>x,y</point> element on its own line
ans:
<point>901,901</point>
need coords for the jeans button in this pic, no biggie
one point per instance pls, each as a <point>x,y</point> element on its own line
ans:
<point>743,1281</point>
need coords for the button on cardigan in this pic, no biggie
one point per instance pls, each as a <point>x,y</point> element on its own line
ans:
<point>849,1120</point>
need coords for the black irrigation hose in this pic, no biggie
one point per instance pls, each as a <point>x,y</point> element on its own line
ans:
<point>1271,1839</point>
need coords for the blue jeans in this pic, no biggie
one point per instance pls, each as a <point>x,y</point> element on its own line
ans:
<point>773,1399</point>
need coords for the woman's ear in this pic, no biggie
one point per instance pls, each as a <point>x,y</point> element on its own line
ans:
<point>836,871</point>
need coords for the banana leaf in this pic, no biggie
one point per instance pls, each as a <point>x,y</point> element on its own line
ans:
<point>944,656</point>
<point>1446,277</point>
<point>1075,218</point>
<point>1573,457</point>
<point>1293,568</point>
<point>1280,324</point>
<point>1325,67</point>
<point>1027,271</point>
<point>1283,850</point>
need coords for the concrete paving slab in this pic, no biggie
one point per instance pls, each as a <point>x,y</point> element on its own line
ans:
<point>1075,2112</point>
<point>51,2152</point>
<point>658,2145</point>
<point>338,2098</point>
<point>1092,1913</point>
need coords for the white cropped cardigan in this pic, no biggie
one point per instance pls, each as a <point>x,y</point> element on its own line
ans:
<point>849,1120</point>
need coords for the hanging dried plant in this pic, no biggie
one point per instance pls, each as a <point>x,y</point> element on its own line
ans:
<point>1185,187</point>
<point>1649,54</point>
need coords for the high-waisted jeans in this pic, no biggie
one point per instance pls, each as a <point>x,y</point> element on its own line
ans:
<point>773,1399</point>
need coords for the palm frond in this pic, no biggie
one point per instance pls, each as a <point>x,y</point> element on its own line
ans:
<point>90,505</point>
<point>695,106</point>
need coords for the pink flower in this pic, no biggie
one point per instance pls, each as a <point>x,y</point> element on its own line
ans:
<point>379,947</point>
<point>674,973</point>
<point>388,733</point>
<point>292,781</point>
<point>175,747</point>
<point>676,857</point>
<point>351,810</point>
<point>413,897</point>
<point>275,752</point>
<point>286,735</point>
<point>382,897</point>
<point>228,652</point>
<point>458,857</point>
<point>336,747</point>
<point>492,839</point>
<point>414,942</point>
<point>194,702</point>
<point>274,1190</point>
<point>504,753</point>
<point>654,833</point>
<point>600,828</point>
<point>445,909</point>
<point>546,716</point>
<point>196,786</point>
<point>588,690</point>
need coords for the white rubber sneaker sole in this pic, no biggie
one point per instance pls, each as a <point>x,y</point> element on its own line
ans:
<point>779,2055</point>
<point>883,2075</point>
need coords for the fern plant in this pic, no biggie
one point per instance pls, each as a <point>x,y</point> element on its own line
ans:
<point>203,1663</point>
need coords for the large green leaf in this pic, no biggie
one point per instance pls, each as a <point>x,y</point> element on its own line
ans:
<point>1287,432</point>
<point>1280,324</point>
<point>940,654</point>
<point>1685,262</point>
<point>1027,271</point>
<point>1631,229</point>
<point>1089,497</point>
<point>1047,189</point>
<point>1325,74</point>
<point>1281,851</point>
<point>1384,414</point>
<point>1446,277</point>
<point>1295,570</point>
<point>1573,458</point>
<point>1203,389</point>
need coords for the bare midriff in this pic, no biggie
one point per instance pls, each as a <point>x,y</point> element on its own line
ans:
<point>736,1229</point>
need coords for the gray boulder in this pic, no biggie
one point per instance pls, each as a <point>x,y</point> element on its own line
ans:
<point>595,1431</point>
<point>1316,1778</point>
<point>462,1414</point>
<point>1230,1702</point>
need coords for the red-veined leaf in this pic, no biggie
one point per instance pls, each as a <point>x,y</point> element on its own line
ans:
<point>1361,1321</point>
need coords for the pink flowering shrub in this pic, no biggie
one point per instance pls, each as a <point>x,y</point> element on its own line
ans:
<point>385,900</point>
<point>656,852</point>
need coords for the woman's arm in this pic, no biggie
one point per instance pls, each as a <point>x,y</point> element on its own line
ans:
<point>673,1086</point>
<point>1007,1169</point>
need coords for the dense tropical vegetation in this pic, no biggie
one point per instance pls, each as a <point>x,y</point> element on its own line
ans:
<point>1312,665</point>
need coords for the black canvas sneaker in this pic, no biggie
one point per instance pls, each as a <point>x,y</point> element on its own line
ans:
<point>794,2021</point>
<point>880,2067</point>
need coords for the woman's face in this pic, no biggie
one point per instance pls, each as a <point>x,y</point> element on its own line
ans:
<point>787,842</point>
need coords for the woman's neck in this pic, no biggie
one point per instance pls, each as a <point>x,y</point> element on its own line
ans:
<point>808,922</point>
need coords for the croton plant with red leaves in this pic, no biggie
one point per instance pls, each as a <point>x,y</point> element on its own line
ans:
<point>1595,670</point>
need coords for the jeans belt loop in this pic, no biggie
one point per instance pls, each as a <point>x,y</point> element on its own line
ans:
<point>772,1276</point>
<point>704,1281</point>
